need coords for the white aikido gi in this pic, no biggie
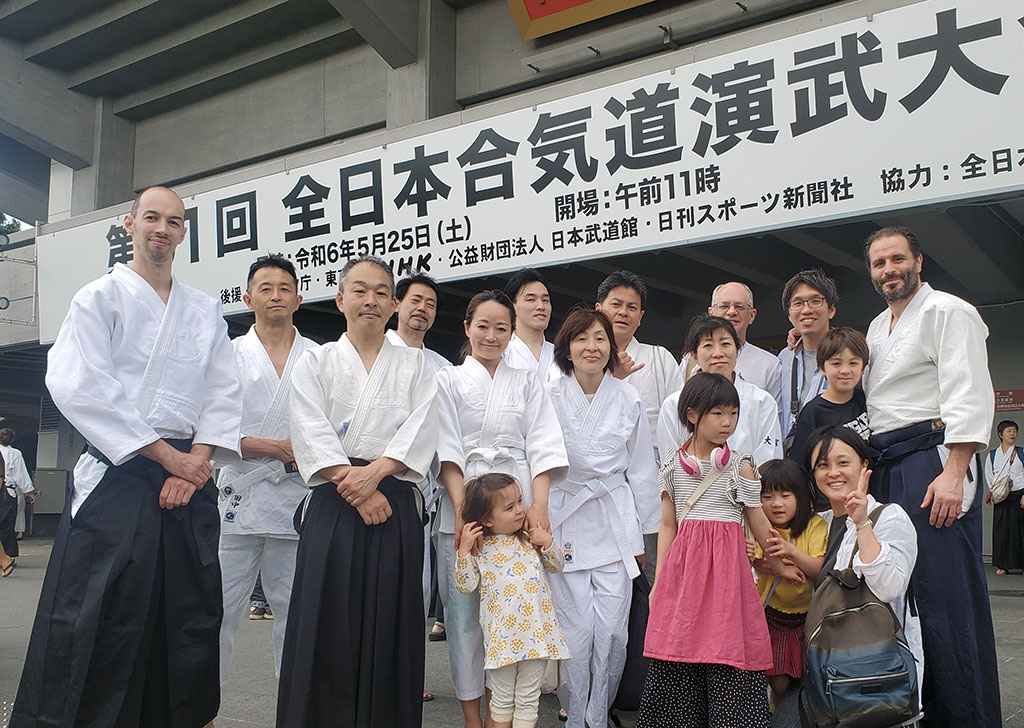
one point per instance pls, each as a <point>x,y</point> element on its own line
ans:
<point>757,366</point>
<point>599,514</point>
<point>429,486</point>
<point>904,384</point>
<point>258,499</point>
<point>658,379</point>
<point>757,430</point>
<point>518,356</point>
<point>506,424</point>
<point>144,387</point>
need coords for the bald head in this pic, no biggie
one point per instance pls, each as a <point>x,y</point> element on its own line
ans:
<point>166,193</point>
<point>734,302</point>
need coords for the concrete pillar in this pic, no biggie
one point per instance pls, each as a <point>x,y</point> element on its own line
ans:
<point>426,89</point>
<point>108,180</point>
<point>59,204</point>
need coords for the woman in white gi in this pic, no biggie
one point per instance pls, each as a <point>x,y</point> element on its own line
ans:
<point>712,342</point>
<point>1008,515</point>
<point>493,418</point>
<point>599,513</point>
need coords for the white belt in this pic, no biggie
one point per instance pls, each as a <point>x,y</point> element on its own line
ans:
<point>249,472</point>
<point>599,490</point>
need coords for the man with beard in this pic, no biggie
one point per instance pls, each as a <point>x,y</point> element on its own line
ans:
<point>930,407</point>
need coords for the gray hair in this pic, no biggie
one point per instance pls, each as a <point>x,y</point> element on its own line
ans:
<point>379,262</point>
<point>750,293</point>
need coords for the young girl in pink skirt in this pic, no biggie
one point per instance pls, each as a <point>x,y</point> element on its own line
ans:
<point>706,634</point>
<point>798,536</point>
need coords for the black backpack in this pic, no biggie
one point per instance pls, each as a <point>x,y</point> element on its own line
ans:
<point>859,672</point>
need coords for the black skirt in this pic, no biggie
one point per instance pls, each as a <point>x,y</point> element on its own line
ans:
<point>127,631</point>
<point>1008,532</point>
<point>8,517</point>
<point>354,646</point>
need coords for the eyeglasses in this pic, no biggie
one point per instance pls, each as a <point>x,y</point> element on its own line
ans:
<point>723,307</point>
<point>813,302</point>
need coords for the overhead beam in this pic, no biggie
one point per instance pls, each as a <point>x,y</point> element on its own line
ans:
<point>47,47</point>
<point>955,248</point>
<point>291,50</point>
<point>655,283</point>
<point>137,56</point>
<point>820,249</point>
<point>731,267</point>
<point>390,26</point>
<point>39,111</point>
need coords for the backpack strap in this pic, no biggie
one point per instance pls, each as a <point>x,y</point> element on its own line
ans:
<point>873,517</point>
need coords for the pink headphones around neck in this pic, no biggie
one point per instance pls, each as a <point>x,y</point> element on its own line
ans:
<point>691,465</point>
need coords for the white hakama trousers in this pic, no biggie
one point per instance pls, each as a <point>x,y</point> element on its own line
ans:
<point>242,558</point>
<point>593,609</point>
<point>462,625</point>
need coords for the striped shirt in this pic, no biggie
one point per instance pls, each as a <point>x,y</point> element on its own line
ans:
<point>724,500</point>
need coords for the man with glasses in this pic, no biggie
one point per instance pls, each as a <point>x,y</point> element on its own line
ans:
<point>809,299</point>
<point>734,302</point>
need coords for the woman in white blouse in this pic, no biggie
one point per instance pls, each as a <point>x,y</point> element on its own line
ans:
<point>887,550</point>
<point>1007,516</point>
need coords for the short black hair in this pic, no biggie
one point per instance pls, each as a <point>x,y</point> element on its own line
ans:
<point>787,476</point>
<point>274,260</point>
<point>6,438</point>
<point>999,428</point>
<point>702,393</point>
<point>816,279</point>
<point>843,337</point>
<point>623,279</point>
<point>828,434</point>
<point>887,232</point>
<point>523,277</point>
<point>580,318</point>
<point>403,286</point>
<point>704,325</point>
<point>373,260</point>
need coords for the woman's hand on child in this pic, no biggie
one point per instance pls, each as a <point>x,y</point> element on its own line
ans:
<point>472,538</point>
<point>856,501</point>
<point>539,536</point>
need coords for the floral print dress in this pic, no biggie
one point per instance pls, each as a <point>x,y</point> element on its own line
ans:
<point>516,613</point>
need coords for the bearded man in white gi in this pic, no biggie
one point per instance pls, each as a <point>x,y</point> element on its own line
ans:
<point>654,372</point>
<point>930,407</point>
<point>364,431</point>
<point>418,299</point>
<point>129,617</point>
<point>259,495</point>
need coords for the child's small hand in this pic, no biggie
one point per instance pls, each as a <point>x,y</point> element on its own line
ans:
<point>541,537</point>
<point>778,546</point>
<point>751,551</point>
<point>472,538</point>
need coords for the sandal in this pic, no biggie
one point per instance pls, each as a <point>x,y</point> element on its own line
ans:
<point>999,572</point>
<point>427,696</point>
<point>9,569</point>
<point>438,635</point>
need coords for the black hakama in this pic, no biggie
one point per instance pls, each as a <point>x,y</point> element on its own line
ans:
<point>8,519</point>
<point>1007,532</point>
<point>127,632</point>
<point>354,646</point>
<point>961,681</point>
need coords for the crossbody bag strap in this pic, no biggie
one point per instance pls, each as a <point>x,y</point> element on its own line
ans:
<point>695,496</point>
<point>873,517</point>
<point>794,396</point>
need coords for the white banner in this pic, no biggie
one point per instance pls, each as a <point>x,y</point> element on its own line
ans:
<point>916,105</point>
